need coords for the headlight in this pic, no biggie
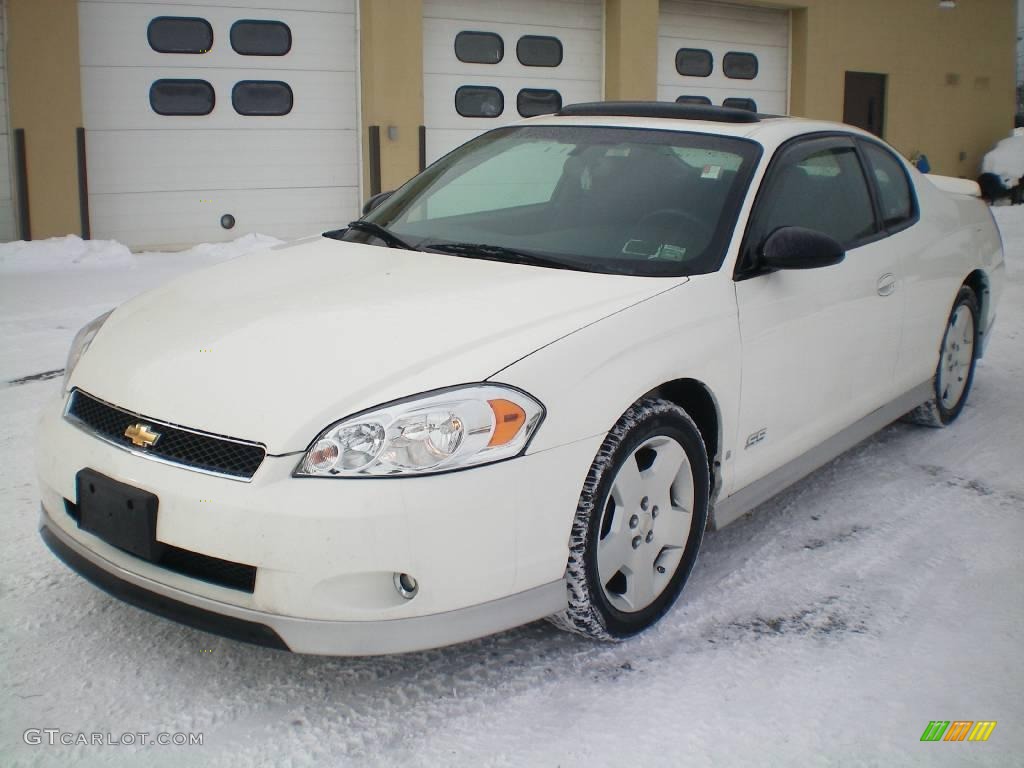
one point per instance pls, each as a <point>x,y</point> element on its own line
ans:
<point>434,432</point>
<point>81,343</point>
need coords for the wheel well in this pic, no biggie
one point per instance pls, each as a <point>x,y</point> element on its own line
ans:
<point>978,282</point>
<point>696,399</point>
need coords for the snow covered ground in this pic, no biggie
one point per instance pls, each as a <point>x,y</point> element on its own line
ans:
<point>829,628</point>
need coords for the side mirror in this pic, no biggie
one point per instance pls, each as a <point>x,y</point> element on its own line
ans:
<point>376,200</point>
<point>799,248</point>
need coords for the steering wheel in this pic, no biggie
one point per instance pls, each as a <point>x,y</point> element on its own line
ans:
<point>668,223</point>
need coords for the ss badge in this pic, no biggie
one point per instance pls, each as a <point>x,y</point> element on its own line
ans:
<point>756,437</point>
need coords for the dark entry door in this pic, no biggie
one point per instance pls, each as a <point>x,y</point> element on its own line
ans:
<point>864,104</point>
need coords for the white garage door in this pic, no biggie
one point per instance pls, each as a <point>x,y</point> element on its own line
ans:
<point>7,228</point>
<point>491,62</point>
<point>259,133</point>
<point>732,55</point>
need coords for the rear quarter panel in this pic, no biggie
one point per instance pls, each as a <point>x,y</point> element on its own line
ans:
<point>955,236</point>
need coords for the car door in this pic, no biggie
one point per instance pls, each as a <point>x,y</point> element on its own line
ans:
<point>819,346</point>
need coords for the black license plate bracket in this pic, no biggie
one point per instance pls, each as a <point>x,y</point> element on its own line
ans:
<point>120,514</point>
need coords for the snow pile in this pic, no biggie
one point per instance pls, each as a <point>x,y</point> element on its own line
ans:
<point>72,252</point>
<point>224,251</point>
<point>60,253</point>
<point>1006,160</point>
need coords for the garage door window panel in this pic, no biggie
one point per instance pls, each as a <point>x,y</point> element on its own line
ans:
<point>539,51</point>
<point>261,37</point>
<point>895,198</point>
<point>538,101</point>
<point>740,103</point>
<point>823,189</point>
<point>182,97</point>
<point>262,98</point>
<point>180,34</point>
<point>479,47</point>
<point>740,66</point>
<point>694,62</point>
<point>704,100</point>
<point>479,101</point>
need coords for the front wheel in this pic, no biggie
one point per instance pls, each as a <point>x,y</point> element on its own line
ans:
<point>639,523</point>
<point>957,358</point>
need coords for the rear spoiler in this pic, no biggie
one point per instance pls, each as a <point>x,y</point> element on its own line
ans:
<point>953,186</point>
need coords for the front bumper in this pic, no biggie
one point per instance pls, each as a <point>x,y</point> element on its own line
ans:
<point>488,546</point>
<point>339,638</point>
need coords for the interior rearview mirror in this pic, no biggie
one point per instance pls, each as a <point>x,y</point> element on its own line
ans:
<point>376,200</point>
<point>800,248</point>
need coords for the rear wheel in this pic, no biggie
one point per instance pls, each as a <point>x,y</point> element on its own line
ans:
<point>957,358</point>
<point>639,523</point>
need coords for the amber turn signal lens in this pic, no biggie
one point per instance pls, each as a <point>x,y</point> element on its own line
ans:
<point>509,418</point>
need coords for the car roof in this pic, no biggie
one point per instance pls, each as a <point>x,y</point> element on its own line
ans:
<point>769,130</point>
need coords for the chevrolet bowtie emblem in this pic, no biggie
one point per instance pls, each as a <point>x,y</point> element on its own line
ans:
<point>142,435</point>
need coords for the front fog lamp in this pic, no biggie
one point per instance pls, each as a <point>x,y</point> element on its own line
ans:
<point>431,433</point>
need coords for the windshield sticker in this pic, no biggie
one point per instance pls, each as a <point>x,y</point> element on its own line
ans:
<point>711,172</point>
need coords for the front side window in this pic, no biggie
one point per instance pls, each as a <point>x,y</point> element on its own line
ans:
<point>823,189</point>
<point>635,201</point>
<point>894,194</point>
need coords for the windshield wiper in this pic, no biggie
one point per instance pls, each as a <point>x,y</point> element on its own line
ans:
<point>392,240</point>
<point>501,253</point>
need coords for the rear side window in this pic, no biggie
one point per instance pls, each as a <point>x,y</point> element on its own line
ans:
<point>179,34</point>
<point>894,195</point>
<point>821,189</point>
<point>479,48</point>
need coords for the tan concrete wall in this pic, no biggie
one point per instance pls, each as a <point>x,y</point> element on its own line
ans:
<point>45,100</point>
<point>391,80</point>
<point>630,49</point>
<point>950,89</point>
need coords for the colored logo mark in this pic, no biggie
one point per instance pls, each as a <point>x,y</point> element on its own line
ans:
<point>958,730</point>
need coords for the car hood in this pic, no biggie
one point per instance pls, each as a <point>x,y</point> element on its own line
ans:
<point>274,346</point>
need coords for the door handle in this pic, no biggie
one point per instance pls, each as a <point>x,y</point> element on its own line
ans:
<point>886,284</point>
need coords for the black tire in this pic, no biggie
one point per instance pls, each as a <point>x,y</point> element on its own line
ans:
<point>934,413</point>
<point>589,611</point>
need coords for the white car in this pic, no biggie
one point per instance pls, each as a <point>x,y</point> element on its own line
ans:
<point>521,386</point>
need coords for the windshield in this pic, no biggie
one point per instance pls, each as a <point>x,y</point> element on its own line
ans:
<point>635,201</point>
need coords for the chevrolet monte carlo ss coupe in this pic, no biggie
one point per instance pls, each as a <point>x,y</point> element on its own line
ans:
<point>521,386</point>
